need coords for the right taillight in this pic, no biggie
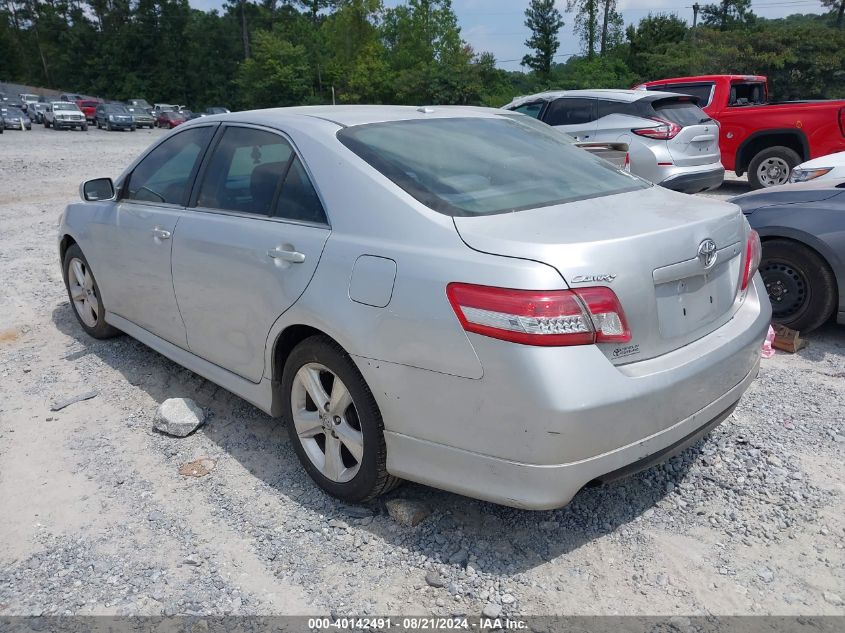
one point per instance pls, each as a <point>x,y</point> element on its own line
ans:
<point>753,253</point>
<point>665,131</point>
<point>532,317</point>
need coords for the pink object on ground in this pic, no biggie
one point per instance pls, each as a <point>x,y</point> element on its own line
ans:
<point>768,351</point>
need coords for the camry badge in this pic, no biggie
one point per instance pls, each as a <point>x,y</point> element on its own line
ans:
<point>707,253</point>
<point>581,279</point>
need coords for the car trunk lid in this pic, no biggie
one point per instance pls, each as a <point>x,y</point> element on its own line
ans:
<point>697,142</point>
<point>644,245</point>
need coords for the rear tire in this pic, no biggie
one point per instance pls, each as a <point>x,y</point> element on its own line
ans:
<point>354,480</point>
<point>800,284</point>
<point>771,167</point>
<point>84,294</point>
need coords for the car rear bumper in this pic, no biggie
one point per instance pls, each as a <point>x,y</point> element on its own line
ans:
<point>543,422</point>
<point>695,181</point>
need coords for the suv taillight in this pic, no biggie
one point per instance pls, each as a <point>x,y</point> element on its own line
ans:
<point>665,131</point>
<point>535,317</point>
<point>753,253</point>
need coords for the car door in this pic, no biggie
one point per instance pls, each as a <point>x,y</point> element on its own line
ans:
<point>574,115</point>
<point>248,246</point>
<point>136,242</point>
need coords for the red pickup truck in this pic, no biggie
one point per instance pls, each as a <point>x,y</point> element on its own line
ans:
<point>765,139</point>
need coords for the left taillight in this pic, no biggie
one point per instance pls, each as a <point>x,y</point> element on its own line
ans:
<point>753,254</point>
<point>665,131</point>
<point>548,318</point>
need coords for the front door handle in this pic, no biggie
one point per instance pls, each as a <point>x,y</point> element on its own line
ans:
<point>294,257</point>
<point>160,233</point>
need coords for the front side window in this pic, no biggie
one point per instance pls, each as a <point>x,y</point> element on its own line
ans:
<point>571,112</point>
<point>482,166</point>
<point>164,175</point>
<point>531,109</point>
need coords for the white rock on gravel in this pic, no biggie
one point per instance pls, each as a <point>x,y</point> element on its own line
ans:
<point>178,417</point>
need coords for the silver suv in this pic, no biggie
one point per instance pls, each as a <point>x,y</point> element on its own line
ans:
<point>672,142</point>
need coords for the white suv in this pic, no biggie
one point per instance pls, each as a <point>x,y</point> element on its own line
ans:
<point>671,141</point>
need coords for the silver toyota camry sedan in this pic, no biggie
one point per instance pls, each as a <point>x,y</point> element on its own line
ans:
<point>453,296</point>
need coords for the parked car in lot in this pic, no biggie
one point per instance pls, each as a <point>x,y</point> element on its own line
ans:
<point>455,296</point>
<point>27,99</point>
<point>14,118</point>
<point>89,108</point>
<point>802,228</point>
<point>762,138</point>
<point>113,117</point>
<point>70,96</point>
<point>140,103</point>
<point>830,167</point>
<point>141,117</point>
<point>158,108</point>
<point>170,119</point>
<point>65,115</point>
<point>671,141</point>
<point>36,112</point>
<point>217,110</point>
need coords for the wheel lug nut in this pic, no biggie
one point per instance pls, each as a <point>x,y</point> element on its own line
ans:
<point>337,419</point>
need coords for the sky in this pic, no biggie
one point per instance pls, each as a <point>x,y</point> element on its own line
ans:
<point>498,26</point>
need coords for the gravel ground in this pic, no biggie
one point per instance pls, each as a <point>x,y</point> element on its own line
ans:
<point>95,518</point>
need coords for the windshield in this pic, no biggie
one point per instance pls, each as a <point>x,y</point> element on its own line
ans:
<point>65,106</point>
<point>116,109</point>
<point>482,166</point>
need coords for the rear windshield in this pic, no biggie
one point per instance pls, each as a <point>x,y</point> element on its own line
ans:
<point>681,112</point>
<point>702,91</point>
<point>482,166</point>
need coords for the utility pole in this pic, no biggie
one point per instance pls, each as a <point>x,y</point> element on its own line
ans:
<point>695,9</point>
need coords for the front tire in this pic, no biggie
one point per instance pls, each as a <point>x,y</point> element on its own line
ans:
<point>800,284</point>
<point>771,167</point>
<point>84,294</point>
<point>334,422</point>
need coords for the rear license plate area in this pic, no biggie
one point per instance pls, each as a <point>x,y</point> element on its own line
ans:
<point>687,304</point>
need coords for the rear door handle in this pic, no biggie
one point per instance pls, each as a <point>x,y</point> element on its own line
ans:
<point>160,233</point>
<point>294,257</point>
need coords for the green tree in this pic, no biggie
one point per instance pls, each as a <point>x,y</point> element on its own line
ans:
<point>586,23</point>
<point>838,8</point>
<point>650,41</point>
<point>728,14</point>
<point>276,74</point>
<point>545,21</point>
<point>613,27</point>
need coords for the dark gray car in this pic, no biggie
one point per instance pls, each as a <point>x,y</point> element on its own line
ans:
<point>802,227</point>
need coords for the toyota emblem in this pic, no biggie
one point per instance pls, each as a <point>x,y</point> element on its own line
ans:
<point>707,253</point>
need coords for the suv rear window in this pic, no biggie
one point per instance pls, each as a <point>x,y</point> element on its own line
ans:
<point>682,112</point>
<point>483,166</point>
<point>701,91</point>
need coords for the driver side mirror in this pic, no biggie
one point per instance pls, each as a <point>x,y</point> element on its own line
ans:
<point>97,189</point>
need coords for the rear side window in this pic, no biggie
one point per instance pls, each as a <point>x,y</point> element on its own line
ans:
<point>571,112</point>
<point>164,175</point>
<point>245,171</point>
<point>606,108</point>
<point>531,109</point>
<point>702,91</point>
<point>298,200</point>
<point>680,112</point>
<point>481,166</point>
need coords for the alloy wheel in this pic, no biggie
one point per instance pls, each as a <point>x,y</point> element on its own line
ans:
<point>773,171</point>
<point>82,292</point>
<point>326,422</point>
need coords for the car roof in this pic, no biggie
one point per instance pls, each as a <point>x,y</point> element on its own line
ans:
<point>627,96</point>
<point>349,115</point>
